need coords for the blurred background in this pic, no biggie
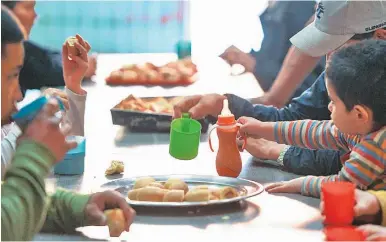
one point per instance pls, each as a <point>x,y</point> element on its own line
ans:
<point>151,26</point>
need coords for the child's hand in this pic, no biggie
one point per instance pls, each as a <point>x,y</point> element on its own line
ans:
<point>59,94</point>
<point>250,127</point>
<point>292,186</point>
<point>101,201</point>
<point>373,232</point>
<point>366,205</point>
<point>75,69</point>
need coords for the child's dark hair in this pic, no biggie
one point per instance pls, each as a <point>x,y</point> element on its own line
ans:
<point>10,30</point>
<point>358,74</point>
<point>10,4</point>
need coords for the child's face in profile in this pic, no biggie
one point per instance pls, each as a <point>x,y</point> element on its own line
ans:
<point>358,121</point>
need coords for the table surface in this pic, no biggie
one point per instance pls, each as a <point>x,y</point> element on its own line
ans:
<point>265,216</point>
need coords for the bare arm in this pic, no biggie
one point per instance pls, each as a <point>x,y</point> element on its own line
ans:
<point>296,66</point>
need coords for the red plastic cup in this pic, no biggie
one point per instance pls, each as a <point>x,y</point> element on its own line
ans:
<point>339,201</point>
<point>346,233</point>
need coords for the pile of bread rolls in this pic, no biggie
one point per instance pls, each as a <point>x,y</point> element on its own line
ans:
<point>176,190</point>
<point>179,72</point>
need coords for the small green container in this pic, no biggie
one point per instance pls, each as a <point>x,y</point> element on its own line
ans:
<point>184,138</point>
<point>184,49</point>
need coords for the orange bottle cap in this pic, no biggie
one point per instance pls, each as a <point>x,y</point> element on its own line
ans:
<point>226,120</point>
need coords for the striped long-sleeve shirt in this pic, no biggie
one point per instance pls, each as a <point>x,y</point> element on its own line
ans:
<point>366,165</point>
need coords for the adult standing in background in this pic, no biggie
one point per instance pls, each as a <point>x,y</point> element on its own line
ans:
<point>280,21</point>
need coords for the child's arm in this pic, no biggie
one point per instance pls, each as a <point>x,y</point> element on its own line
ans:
<point>310,134</point>
<point>66,212</point>
<point>302,133</point>
<point>75,114</point>
<point>23,195</point>
<point>364,168</point>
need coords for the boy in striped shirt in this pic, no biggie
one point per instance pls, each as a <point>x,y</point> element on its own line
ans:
<point>356,85</point>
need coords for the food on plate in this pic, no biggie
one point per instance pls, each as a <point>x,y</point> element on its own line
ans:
<point>200,195</point>
<point>228,192</point>
<point>180,72</point>
<point>115,221</point>
<point>116,167</point>
<point>201,187</point>
<point>132,195</point>
<point>177,190</point>
<point>174,196</point>
<point>156,184</point>
<point>149,105</point>
<point>143,182</point>
<point>213,197</point>
<point>176,184</point>
<point>151,194</point>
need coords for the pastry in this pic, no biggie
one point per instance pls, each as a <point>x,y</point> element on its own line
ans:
<point>143,182</point>
<point>151,194</point>
<point>213,197</point>
<point>115,221</point>
<point>132,195</point>
<point>174,196</point>
<point>227,193</point>
<point>116,167</point>
<point>156,184</point>
<point>199,195</point>
<point>176,184</point>
<point>201,187</point>
<point>170,75</point>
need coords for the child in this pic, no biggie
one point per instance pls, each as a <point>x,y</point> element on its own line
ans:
<point>26,208</point>
<point>356,85</point>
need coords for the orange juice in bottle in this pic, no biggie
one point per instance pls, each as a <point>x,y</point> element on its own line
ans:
<point>228,159</point>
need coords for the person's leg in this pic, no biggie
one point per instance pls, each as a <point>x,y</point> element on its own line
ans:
<point>312,162</point>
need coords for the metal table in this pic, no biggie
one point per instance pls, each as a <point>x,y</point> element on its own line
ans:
<point>285,216</point>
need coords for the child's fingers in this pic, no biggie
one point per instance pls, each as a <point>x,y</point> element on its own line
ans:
<point>82,50</point>
<point>279,189</point>
<point>376,237</point>
<point>80,62</point>
<point>242,120</point>
<point>321,207</point>
<point>81,40</point>
<point>370,229</point>
<point>274,186</point>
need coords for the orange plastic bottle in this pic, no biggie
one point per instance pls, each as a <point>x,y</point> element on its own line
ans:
<point>228,160</point>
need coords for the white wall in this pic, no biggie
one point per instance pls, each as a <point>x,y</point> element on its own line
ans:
<point>217,24</point>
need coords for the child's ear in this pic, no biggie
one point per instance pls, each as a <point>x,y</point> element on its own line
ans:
<point>362,113</point>
<point>380,34</point>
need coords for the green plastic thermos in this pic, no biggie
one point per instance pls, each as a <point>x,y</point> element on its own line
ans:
<point>184,138</point>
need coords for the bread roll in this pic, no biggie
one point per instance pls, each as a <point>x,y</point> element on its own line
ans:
<point>176,184</point>
<point>205,187</point>
<point>228,192</point>
<point>132,195</point>
<point>115,221</point>
<point>151,194</point>
<point>143,182</point>
<point>200,195</point>
<point>156,184</point>
<point>174,196</point>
